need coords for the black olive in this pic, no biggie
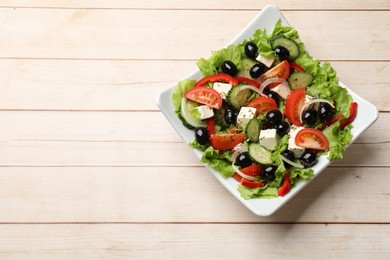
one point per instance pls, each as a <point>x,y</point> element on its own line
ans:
<point>274,116</point>
<point>288,154</point>
<point>229,67</point>
<point>257,70</point>
<point>282,52</point>
<point>325,111</point>
<point>202,135</point>
<point>251,50</point>
<point>272,94</point>
<point>310,117</point>
<point>308,159</point>
<point>268,172</point>
<point>282,128</point>
<point>243,160</point>
<point>230,115</point>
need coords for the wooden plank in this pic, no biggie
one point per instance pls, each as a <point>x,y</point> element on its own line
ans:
<point>107,126</point>
<point>70,33</point>
<point>203,4</point>
<point>209,241</point>
<point>135,194</point>
<point>132,85</point>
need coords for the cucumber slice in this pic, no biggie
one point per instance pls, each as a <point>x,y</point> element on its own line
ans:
<point>289,44</point>
<point>247,64</point>
<point>260,154</point>
<point>253,129</point>
<point>300,79</point>
<point>238,97</point>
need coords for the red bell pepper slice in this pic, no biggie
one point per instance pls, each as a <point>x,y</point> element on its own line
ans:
<point>220,77</point>
<point>352,115</point>
<point>296,67</point>
<point>286,186</point>
<point>247,81</point>
<point>343,123</point>
<point>252,184</point>
<point>210,125</point>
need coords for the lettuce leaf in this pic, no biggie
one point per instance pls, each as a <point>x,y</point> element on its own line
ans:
<point>338,139</point>
<point>179,90</point>
<point>262,42</point>
<point>219,162</point>
<point>261,192</point>
<point>212,65</point>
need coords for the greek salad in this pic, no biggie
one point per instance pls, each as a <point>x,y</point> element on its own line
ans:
<point>265,111</point>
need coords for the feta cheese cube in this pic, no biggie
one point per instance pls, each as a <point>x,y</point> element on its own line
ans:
<point>269,138</point>
<point>292,146</point>
<point>282,89</point>
<point>222,88</point>
<point>267,61</point>
<point>245,114</point>
<point>205,112</point>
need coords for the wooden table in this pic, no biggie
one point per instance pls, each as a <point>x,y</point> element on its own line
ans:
<point>90,169</point>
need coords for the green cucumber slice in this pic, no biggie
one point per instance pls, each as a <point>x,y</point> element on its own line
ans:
<point>259,153</point>
<point>289,44</point>
<point>252,130</point>
<point>238,97</point>
<point>300,79</point>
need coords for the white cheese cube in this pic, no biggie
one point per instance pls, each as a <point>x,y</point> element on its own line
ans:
<point>292,146</point>
<point>205,112</point>
<point>222,88</point>
<point>267,61</point>
<point>282,89</point>
<point>269,138</point>
<point>245,114</point>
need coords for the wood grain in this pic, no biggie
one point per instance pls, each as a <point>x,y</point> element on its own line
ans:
<point>212,241</point>
<point>71,33</point>
<point>204,4</point>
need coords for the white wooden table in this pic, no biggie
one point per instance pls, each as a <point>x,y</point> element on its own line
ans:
<point>90,169</point>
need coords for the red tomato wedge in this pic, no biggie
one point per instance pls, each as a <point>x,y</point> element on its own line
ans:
<point>206,96</point>
<point>247,81</point>
<point>252,170</point>
<point>282,70</point>
<point>294,103</point>
<point>210,125</point>
<point>312,138</point>
<point>286,186</point>
<point>263,105</point>
<point>220,77</point>
<point>226,141</point>
<point>352,115</point>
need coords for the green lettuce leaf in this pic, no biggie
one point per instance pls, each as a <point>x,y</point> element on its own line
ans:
<point>262,42</point>
<point>261,192</point>
<point>201,147</point>
<point>338,139</point>
<point>179,90</point>
<point>212,65</point>
<point>219,162</point>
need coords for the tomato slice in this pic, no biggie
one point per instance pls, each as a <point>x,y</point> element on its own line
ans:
<point>352,115</point>
<point>312,138</point>
<point>206,96</point>
<point>220,77</point>
<point>252,184</point>
<point>286,186</point>
<point>210,125</point>
<point>295,66</point>
<point>226,141</point>
<point>282,70</point>
<point>252,170</point>
<point>294,103</point>
<point>247,81</point>
<point>263,105</point>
